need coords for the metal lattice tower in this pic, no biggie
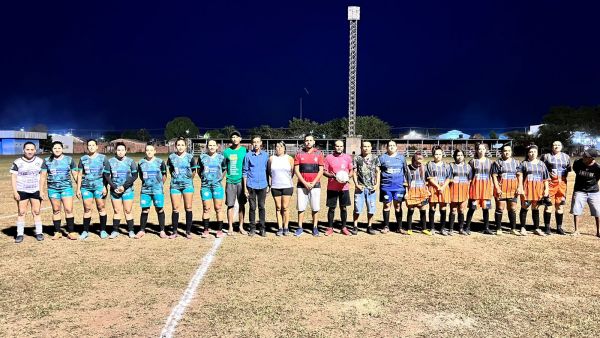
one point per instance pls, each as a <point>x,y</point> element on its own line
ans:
<point>353,17</point>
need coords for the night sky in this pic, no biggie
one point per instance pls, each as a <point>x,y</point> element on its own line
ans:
<point>446,64</point>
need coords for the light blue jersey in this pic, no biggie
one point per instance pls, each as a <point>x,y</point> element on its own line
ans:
<point>59,172</point>
<point>181,169</point>
<point>121,170</point>
<point>211,169</point>
<point>152,173</point>
<point>92,168</point>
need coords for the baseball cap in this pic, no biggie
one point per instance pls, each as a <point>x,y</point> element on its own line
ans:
<point>235,132</point>
<point>590,153</point>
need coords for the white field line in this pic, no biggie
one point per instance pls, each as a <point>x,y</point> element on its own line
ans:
<point>190,291</point>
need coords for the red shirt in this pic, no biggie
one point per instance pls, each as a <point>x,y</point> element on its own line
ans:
<point>309,163</point>
<point>335,163</point>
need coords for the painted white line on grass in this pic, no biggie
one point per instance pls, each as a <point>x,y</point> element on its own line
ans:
<point>190,291</point>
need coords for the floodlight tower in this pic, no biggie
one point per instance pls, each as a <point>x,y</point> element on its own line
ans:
<point>353,17</point>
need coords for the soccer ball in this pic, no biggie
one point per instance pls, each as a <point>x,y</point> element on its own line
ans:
<point>342,176</point>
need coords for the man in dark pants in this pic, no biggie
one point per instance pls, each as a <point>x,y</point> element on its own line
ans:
<point>254,174</point>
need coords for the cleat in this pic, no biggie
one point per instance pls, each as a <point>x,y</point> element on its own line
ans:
<point>385,230</point>
<point>547,232</point>
<point>328,232</point>
<point>173,236</point>
<point>220,234</point>
<point>427,232</point>
<point>560,231</point>
<point>499,232</point>
<point>73,236</point>
<point>103,234</point>
<point>113,235</point>
<point>279,233</point>
<point>140,234</point>
<point>371,231</point>
<point>402,231</point>
<point>84,235</point>
<point>539,232</point>
<point>205,233</point>
<point>57,235</point>
<point>131,234</point>
<point>487,232</point>
<point>444,232</point>
<point>188,235</point>
<point>39,237</point>
<point>345,231</point>
<point>315,232</point>
<point>298,232</point>
<point>286,231</point>
<point>19,239</point>
<point>523,232</point>
<point>515,232</point>
<point>450,233</point>
<point>468,231</point>
<point>263,232</point>
<point>354,231</point>
<point>409,232</point>
<point>163,234</point>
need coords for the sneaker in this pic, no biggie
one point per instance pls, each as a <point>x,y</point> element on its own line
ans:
<point>19,239</point>
<point>131,234</point>
<point>279,233</point>
<point>539,232</point>
<point>450,233</point>
<point>547,232</point>
<point>188,235</point>
<point>173,236</point>
<point>345,231</point>
<point>371,231</point>
<point>515,232</point>
<point>298,232</point>
<point>468,231</point>
<point>427,232</point>
<point>263,231</point>
<point>560,231</point>
<point>84,235</point>
<point>409,232</point>
<point>286,231</point>
<point>220,234</point>
<point>315,231</point>
<point>205,233</point>
<point>354,231</point>
<point>163,234</point>
<point>114,235</point>
<point>385,230</point>
<point>462,232</point>
<point>140,234</point>
<point>73,236</point>
<point>499,232</point>
<point>251,232</point>
<point>39,237</point>
<point>487,232</point>
<point>402,231</point>
<point>57,235</point>
<point>328,232</point>
<point>103,234</point>
<point>523,232</point>
<point>444,232</point>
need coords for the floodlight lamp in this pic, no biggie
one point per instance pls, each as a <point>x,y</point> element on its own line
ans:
<point>353,13</point>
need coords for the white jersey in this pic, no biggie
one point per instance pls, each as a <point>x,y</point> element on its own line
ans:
<point>28,173</point>
<point>281,172</point>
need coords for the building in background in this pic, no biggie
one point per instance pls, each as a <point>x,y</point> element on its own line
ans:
<point>12,141</point>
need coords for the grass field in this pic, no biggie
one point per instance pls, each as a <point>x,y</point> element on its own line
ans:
<point>386,285</point>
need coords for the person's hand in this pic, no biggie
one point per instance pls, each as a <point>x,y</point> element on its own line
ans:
<point>546,192</point>
<point>498,191</point>
<point>268,189</point>
<point>43,196</point>
<point>104,192</point>
<point>246,192</point>
<point>16,196</point>
<point>309,185</point>
<point>120,189</point>
<point>359,187</point>
<point>520,191</point>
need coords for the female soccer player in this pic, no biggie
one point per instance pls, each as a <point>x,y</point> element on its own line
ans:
<point>559,166</point>
<point>182,167</point>
<point>394,177</point>
<point>506,175</point>
<point>120,175</point>
<point>60,188</point>
<point>211,168</point>
<point>417,195</point>
<point>462,174</point>
<point>438,178</point>
<point>28,175</point>
<point>534,187</point>
<point>153,173</point>
<point>280,170</point>
<point>91,186</point>
<point>480,191</point>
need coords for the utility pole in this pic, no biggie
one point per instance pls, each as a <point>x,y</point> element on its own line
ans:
<point>353,18</point>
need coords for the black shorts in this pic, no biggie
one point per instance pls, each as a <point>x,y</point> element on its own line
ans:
<point>333,196</point>
<point>282,192</point>
<point>27,195</point>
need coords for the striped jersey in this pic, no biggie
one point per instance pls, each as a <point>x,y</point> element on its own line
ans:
<point>121,170</point>
<point>59,172</point>
<point>440,171</point>
<point>462,174</point>
<point>559,164</point>
<point>506,172</point>
<point>534,175</point>
<point>181,168</point>
<point>481,184</point>
<point>151,172</point>
<point>393,171</point>
<point>210,169</point>
<point>308,163</point>
<point>92,168</point>
<point>28,173</point>
<point>417,176</point>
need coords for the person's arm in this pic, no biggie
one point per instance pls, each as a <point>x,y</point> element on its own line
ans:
<point>407,176</point>
<point>357,185</point>
<point>134,175</point>
<point>269,179</point>
<point>448,174</point>
<point>163,170</point>
<point>193,167</point>
<point>291,162</point>
<point>326,170</point>
<point>297,171</point>
<point>79,180</point>
<point>44,185</point>
<point>14,187</point>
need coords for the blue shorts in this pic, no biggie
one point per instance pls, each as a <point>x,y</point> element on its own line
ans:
<point>188,189</point>
<point>59,194</point>
<point>147,200</point>
<point>387,196</point>
<point>362,197</point>
<point>208,193</point>
<point>126,196</point>
<point>86,194</point>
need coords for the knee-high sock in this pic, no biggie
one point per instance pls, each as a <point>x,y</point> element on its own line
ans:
<point>344,216</point>
<point>470,217</point>
<point>512,217</point>
<point>386,218</point>
<point>129,225</point>
<point>409,216</point>
<point>206,224</point>
<point>103,221</point>
<point>189,219</point>
<point>143,221</point>
<point>330,215</point>
<point>523,217</point>
<point>38,227</point>
<point>486,218</point>
<point>20,228</point>
<point>86,223</point>
<point>559,220</point>
<point>451,220</point>
<point>116,223</point>
<point>161,220</point>
<point>498,219</point>
<point>175,221</point>
<point>431,218</point>
<point>535,215</point>
<point>70,224</point>
<point>547,216</point>
<point>461,220</point>
<point>56,225</point>
<point>423,220</point>
<point>442,218</point>
<point>399,220</point>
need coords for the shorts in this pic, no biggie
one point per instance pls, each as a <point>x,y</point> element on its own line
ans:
<point>234,192</point>
<point>362,197</point>
<point>558,191</point>
<point>579,200</point>
<point>126,196</point>
<point>86,194</point>
<point>484,204</point>
<point>305,196</point>
<point>387,196</point>
<point>59,194</point>
<point>28,195</point>
<point>209,193</point>
<point>334,196</point>
<point>276,192</point>
<point>188,189</point>
<point>147,200</point>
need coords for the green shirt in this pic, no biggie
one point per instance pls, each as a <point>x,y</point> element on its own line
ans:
<point>234,160</point>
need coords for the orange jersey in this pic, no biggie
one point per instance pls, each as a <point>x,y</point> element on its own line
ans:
<point>534,176</point>
<point>506,172</point>
<point>461,180</point>
<point>438,173</point>
<point>481,185</point>
<point>417,190</point>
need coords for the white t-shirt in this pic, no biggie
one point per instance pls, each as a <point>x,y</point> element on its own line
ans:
<point>28,173</point>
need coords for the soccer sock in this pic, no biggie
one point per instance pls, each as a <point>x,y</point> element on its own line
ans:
<point>535,215</point>
<point>498,219</point>
<point>86,223</point>
<point>470,217</point>
<point>486,218</point>
<point>221,224</point>
<point>461,220</point>
<point>116,224</point>
<point>20,228</point>
<point>143,220</point>
<point>206,224</point>
<point>103,219</point>
<point>189,217</point>
<point>38,227</point>
<point>523,217</point>
<point>512,218</point>
<point>431,218</point>
<point>451,221</point>
<point>130,225</point>
<point>386,218</point>
<point>161,220</point>
<point>175,221</point>
<point>409,217</point>
<point>344,216</point>
<point>399,220</point>
<point>559,220</point>
<point>70,223</point>
<point>442,219</point>
<point>56,223</point>
<point>330,215</point>
<point>547,216</point>
<point>423,220</point>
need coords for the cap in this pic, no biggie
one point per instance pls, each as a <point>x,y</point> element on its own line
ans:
<point>590,153</point>
<point>235,132</point>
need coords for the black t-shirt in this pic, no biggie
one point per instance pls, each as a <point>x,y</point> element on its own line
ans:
<point>586,177</point>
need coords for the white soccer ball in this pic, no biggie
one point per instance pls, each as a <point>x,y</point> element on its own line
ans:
<point>342,176</point>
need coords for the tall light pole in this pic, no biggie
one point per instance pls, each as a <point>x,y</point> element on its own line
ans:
<point>307,93</point>
<point>353,17</point>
